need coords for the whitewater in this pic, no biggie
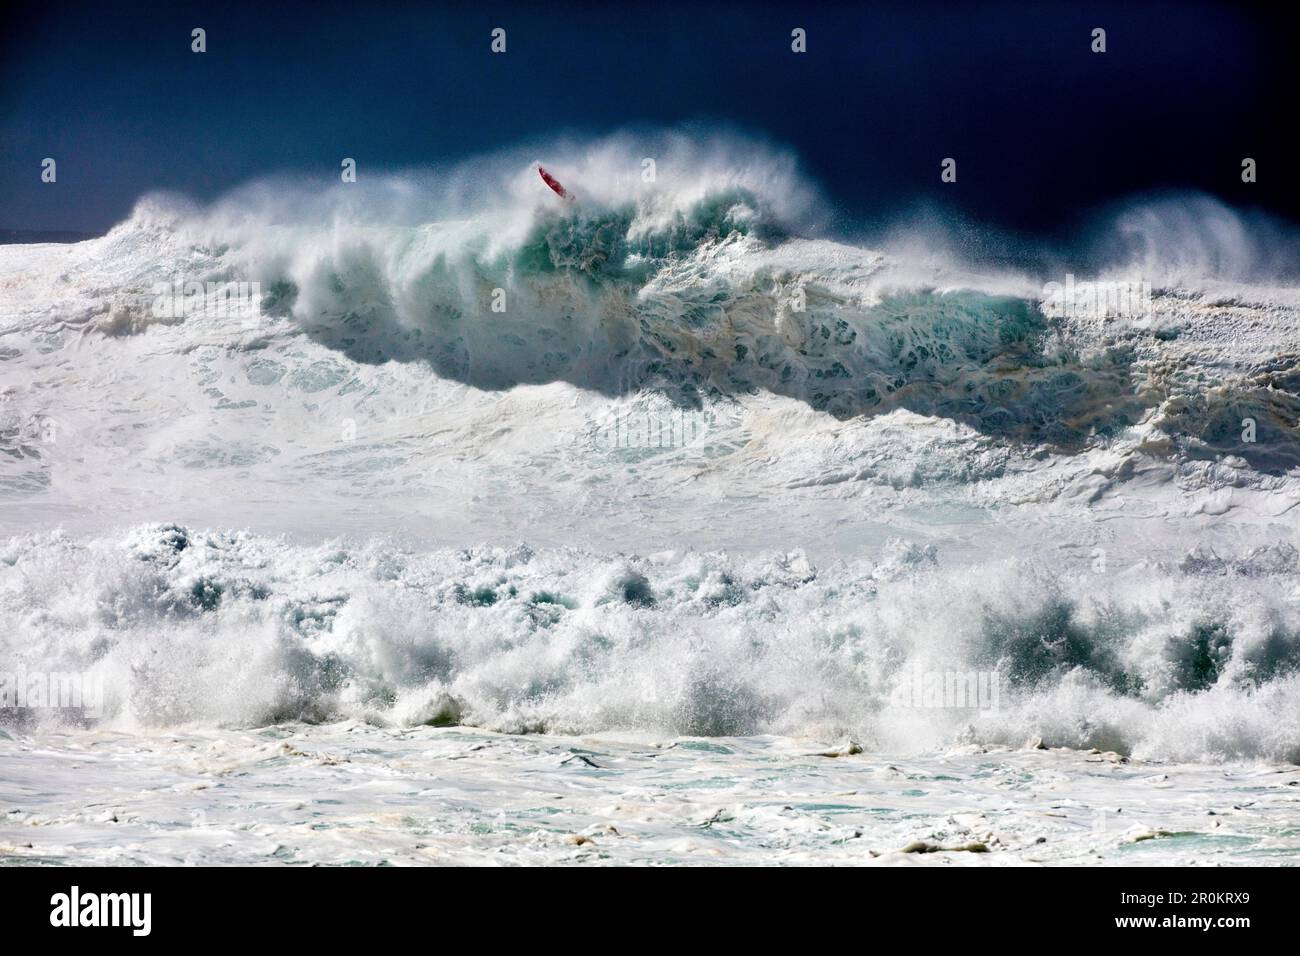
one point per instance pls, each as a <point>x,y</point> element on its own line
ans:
<point>653,527</point>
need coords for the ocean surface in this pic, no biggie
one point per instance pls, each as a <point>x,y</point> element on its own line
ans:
<point>433,518</point>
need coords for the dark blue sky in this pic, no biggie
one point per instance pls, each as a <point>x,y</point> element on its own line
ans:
<point>1043,129</point>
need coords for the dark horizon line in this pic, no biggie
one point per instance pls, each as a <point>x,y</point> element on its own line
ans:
<point>18,237</point>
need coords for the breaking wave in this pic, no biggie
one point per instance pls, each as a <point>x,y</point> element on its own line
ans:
<point>1192,661</point>
<point>701,284</point>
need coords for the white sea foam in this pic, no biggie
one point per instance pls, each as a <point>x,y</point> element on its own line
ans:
<point>352,793</point>
<point>182,628</point>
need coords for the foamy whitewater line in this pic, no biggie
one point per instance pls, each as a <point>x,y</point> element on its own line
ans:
<point>352,793</point>
<point>180,628</point>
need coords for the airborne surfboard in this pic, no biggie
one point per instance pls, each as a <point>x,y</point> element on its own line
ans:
<point>554,184</point>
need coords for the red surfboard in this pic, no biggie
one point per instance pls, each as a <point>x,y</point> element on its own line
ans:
<point>554,183</point>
